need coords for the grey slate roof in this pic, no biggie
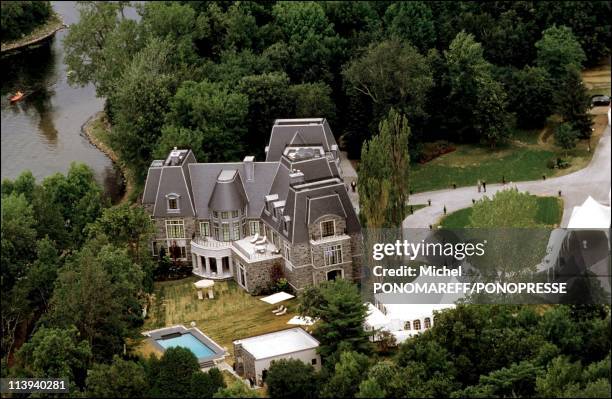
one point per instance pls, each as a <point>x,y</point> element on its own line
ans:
<point>204,177</point>
<point>229,193</point>
<point>299,131</point>
<point>316,192</point>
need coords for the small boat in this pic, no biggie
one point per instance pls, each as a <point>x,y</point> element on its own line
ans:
<point>16,97</point>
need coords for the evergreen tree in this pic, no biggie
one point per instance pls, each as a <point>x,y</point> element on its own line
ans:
<point>384,173</point>
<point>573,102</point>
<point>341,313</point>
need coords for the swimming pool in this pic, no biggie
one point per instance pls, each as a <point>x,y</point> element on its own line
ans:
<point>188,341</point>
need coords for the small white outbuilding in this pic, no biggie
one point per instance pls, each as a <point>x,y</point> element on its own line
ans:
<point>253,356</point>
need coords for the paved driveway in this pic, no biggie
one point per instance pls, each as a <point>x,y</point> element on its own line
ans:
<point>594,180</point>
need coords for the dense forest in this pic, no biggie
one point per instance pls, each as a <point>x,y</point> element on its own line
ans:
<point>19,18</point>
<point>213,76</point>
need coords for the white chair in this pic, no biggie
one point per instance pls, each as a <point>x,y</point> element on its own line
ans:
<point>282,312</point>
<point>278,309</point>
<point>260,249</point>
<point>261,241</point>
<point>200,296</point>
<point>254,239</point>
<point>211,295</point>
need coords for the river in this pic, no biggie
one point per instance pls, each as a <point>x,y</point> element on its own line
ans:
<point>42,132</point>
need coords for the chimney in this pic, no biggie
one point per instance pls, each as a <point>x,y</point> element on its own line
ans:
<point>249,168</point>
<point>174,157</point>
<point>296,177</point>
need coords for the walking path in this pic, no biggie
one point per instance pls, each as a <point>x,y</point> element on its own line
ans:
<point>594,180</point>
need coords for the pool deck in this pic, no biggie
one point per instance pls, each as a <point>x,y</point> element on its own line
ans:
<point>217,357</point>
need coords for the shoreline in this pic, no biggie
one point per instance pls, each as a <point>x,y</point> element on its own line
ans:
<point>88,131</point>
<point>39,34</point>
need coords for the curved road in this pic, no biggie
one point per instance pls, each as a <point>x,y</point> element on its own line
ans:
<point>594,180</point>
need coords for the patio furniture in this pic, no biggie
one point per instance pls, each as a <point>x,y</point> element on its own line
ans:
<point>282,312</point>
<point>200,296</point>
<point>280,309</point>
<point>254,239</point>
<point>203,284</point>
<point>261,241</point>
<point>260,249</point>
<point>211,295</point>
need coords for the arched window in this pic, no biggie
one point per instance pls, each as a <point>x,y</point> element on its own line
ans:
<point>407,325</point>
<point>417,324</point>
<point>427,322</point>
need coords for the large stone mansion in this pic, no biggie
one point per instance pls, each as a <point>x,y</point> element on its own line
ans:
<point>288,216</point>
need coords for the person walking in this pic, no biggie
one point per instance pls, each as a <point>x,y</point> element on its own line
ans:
<point>353,185</point>
<point>478,185</point>
<point>484,186</point>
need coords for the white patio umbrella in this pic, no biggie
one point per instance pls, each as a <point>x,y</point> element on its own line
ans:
<point>205,283</point>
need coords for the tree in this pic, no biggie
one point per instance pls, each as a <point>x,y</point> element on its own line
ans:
<point>21,17</point>
<point>126,225</point>
<point>289,378</point>
<point>348,373</point>
<point>206,384</point>
<point>18,234</point>
<point>237,390</point>
<point>171,375</point>
<point>518,380</point>
<point>268,97</point>
<point>313,100</point>
<point>120,379</point>
<point>78,197</point>
<point>96,291</point>
<point>42,274</point>
<point>140,103</point>
<point>392,74</point>
<point>55,352</point>
<point>92,45</point>
<point>311,41</point>
<point>341,311</point>
<point>558,49</point>
<point>412,21</point>
<point>209,119</point>
<point>529,93</point>
<point>383,380</point>
<point>383,173</point>
<point>573,103</point>
<point>178,24</point>
<point>566,137</point>
<point>478,101</point>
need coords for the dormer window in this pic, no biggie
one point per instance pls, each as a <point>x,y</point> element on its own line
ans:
<point>173,203</point>
<point>328,228</point>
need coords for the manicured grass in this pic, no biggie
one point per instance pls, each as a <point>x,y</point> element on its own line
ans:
<point>233,314</point>
<point>516,162</point>
<point>550,212</point>
<point>469,163</point>
<point>458,219</point>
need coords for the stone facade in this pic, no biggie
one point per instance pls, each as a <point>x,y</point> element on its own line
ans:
<point>244,365</point>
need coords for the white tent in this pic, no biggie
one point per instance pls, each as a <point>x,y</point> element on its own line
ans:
<point>591,214</point>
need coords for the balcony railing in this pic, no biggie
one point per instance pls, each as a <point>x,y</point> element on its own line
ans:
<point>207,242</point>
<point>318,239</point>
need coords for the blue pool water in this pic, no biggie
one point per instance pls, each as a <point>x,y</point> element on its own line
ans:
<point>187,341</point>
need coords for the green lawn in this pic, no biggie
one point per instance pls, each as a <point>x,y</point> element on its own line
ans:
<point>516,162</point>
<point>550,212</point>
<point>233,314</point>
